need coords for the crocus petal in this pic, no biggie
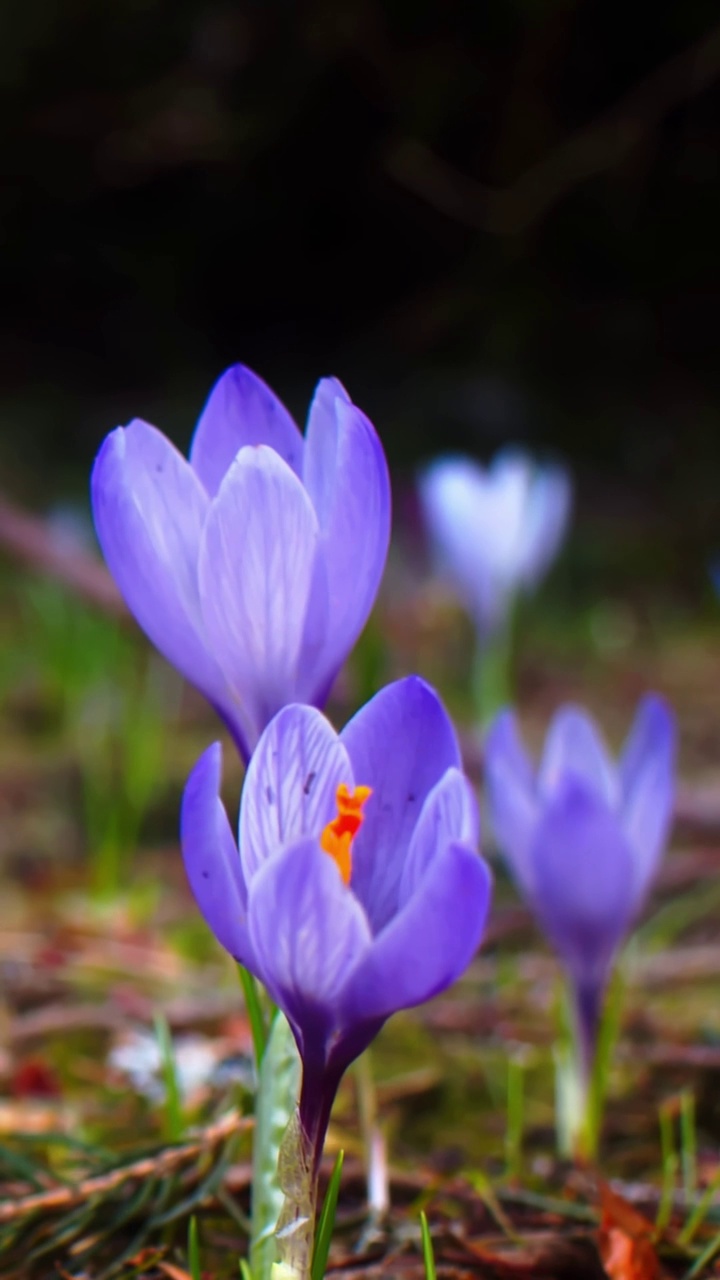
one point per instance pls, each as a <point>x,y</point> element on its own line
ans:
<point>212,861</point>
<point>257,568</point>
<point>346,475</point>
<point>652,734</point>
<point>428,944</point>
<point>473,536</point>
<point>308,931</point>
<point>513,805</point>
<point>509,483</point>
<point>575,749</point>
<point>647,770</point>
<point>322,442</point>
<point>545,522</point>
<point>583,881</point>
<point>241,410</point>
<point>400,744</point>
<point>504,740</point>
<point>449,815</point>
<point>495,530</point>
<point>149,508</point>
<point>291,783</point>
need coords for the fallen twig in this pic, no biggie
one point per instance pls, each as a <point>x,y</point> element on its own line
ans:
<point>31,540</point>
<point>155,1166</point>
<point>600,146</point>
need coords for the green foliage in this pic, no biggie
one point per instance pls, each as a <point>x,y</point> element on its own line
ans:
<point>492,675</point>
<point>174,1121</point>
<point>701,1210</point>
<point>193,1249</point>
<point>608,1033</point>
<point>515,1115</point>
<point>669,1168</point>
<point>115,702</point>
<point>256,1014</point>
<point>427,1248</point>
<point>688,1143</point>
<point>326,1221</point>
<point>369,661</point>
<point>703,1260</point>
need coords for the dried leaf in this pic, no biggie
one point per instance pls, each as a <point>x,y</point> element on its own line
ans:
<point>625,1240</point>
<point>172,1272</point>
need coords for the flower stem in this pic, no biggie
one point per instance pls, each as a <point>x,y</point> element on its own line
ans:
<point>277,1096</point>
<point>587,1010</point>
<point>577,1101</point>
<point>298,1169</point>
<point>492,682</point>
<point>588,1001</point>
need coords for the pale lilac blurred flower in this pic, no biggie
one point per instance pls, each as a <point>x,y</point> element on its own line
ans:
<point>139,1057</point>
<point>494,531</point>
<point>583,835</point>
<point>343,929</point>
<point>254,565</point>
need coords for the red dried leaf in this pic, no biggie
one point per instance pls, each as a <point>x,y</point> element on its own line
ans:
<point>625,1240</point>
<point>33,1078</point>
<point>172,1272</point>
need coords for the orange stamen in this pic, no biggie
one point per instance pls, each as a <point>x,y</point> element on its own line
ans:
<point>338,835</point>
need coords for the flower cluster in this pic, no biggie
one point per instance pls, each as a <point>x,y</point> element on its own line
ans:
<point>354,887</point>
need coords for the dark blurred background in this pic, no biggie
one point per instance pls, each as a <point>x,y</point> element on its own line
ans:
<point>493,220</point>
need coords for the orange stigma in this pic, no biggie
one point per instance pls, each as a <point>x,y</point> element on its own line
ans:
<point>338,835</point>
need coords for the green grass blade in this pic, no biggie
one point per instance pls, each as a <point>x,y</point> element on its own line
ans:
<point>514,1124</point>
<point>427,1248</point>
<point>688,1143</point>
<point>255,1014</point>
<point>326,1221</point>
<point>669,1165</point>
<point>174,1121</point>
<point>193,1249</point>
<point>608,1036</point>
<point>700,1211</point>
<point>704,1259</point>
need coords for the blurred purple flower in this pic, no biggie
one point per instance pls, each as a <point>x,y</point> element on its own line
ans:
<point>584,835</point>
<point>343,924</point>
<point>254,565</point>
<point>494,530</point>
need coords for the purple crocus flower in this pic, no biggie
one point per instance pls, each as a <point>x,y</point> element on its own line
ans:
<point>496,530</point>
<point>254,565</point>
<point>584,836</point>
<point>357,889</point>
